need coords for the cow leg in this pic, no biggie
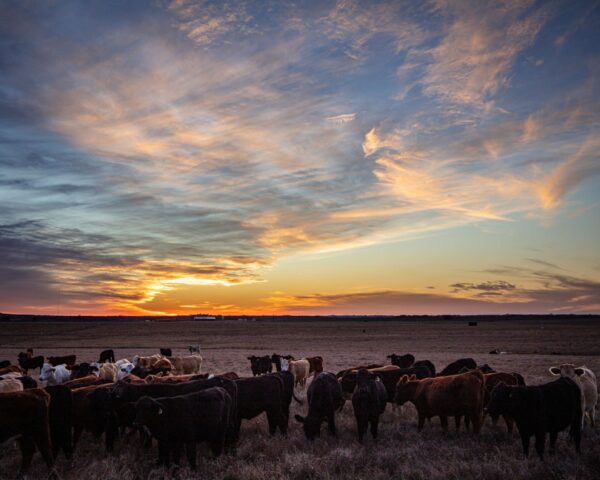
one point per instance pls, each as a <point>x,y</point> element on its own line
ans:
<point>27,448</point>
<point>190,451</point>
<point>476,419</point>
<point>495,419</point>
<point>540,440</point>
<point>576,434</point>
<point>77,431</point>
<point>272,418</point>
<point>421,422</point>
<point>218,443</point>
<point>553,436</point>
<point>177,453</point>
<point>592,416</point>
<point>374,426</point>
<point>163,454</point>
<point>467,422</point>
<point>457,422</point>
<point>444,422</point>
<point>361,425</point>
<point>331,423</point>
<point>509,423</point>
<point>525,442</point>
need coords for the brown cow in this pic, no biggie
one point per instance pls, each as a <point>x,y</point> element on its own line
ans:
<point>316,365</point>
<point>186,365</point>
<point>84,382</point>
<point>66,359</point>
<point>453,395</point>
<point>25,414</point>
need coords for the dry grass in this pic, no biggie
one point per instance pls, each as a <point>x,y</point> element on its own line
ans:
<point>400,452</point>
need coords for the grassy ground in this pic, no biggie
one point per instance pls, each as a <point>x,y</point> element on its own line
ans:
<point>400,452</point>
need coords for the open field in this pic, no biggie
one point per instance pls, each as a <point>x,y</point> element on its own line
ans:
<point>400,452</point>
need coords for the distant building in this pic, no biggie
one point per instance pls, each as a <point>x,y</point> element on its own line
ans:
<point>205,317</point>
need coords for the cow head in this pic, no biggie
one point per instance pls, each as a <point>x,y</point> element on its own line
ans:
<point>405,389</point>
<point>148,410</point>
<point>285,365</point>
<point>567,370</point>
<point>504,399</point>
<point>311,425</point>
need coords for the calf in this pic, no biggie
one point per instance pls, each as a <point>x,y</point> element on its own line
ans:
<point>452,395</point>
<point>454,368</point>
<point>260,365</point>
<point>586,381</point>
<point>61,419</point>
<point>30,363</point>
<point>324,398</point>
<point>186,420</point>
<point>369,401</point>
<point>55,375</point>
<point>64,360</point>
<point>108,372</point>
<point>262,394</point>
<point>25,415</point>
<point>402,361</point>
<point>107,356</point>
<point>548,408</point>
<point>146,362</point>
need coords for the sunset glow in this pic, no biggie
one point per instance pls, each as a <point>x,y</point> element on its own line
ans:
<point>313,157</point>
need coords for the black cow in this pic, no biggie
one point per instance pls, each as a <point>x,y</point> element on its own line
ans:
<point>541,409</point>
<point>288,392</point>
<point>276,360</point>
<point>61,419</point>
<point>455,367</point>
<point>83,369</point>
<point>402,361</point>
<point>260,365</point>
<point>110,411</point>
<point>27,382</point>
<point>30,363</point>
<point>107,356</point>
<point>166,352</point>
<point>388,377</point>
<point>369,401</point>
<point>262,394</point>
<point>425,363</point>
<point>324,398</point>
<point>186,420</point>
<point>5,363</point>
<point>485,368</point>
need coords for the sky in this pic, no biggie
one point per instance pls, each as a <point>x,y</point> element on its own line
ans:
<point>307,157</point>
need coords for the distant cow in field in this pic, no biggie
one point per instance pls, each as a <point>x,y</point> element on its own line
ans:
<point>586,381</point>
<point>452,395</point>
<point>316,365</point>
<point>30,363</point>
<point>186,420</point>
<point>25,415</point>
<point>64,360</point>
<point>260,365</point>
<point>324,399</point>
<point>146,362</point>
<point>107,356</point>
<point>276,360</point>
<point>402,361</point>
<point>541,409</point>
<point>194,349</point>
<point>454,368</point>
<point>166,352</point>
<point>83,369</point>
<point>485,368</point>
<point>368,401</point>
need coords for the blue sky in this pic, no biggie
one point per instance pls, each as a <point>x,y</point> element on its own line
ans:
<point>305,157</point>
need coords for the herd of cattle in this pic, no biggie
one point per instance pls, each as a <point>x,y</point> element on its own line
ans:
<point>165,397</point>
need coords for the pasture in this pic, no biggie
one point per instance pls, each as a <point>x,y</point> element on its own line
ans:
<point>399,453</point>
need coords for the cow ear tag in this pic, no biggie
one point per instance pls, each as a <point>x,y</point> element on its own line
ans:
<point>160,411</point>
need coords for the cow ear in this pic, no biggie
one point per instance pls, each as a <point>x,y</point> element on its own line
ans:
<point>160,411</point>
<point>299,418</point>
<point>413,377</point>
<point>579,371</point>
<point>404,378</point>
<point>554,370</point>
